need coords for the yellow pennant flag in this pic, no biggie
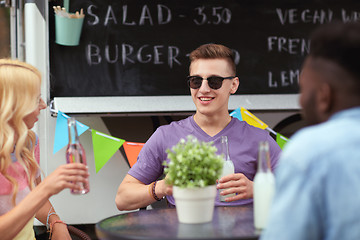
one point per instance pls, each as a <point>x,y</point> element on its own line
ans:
<point>252,120</point>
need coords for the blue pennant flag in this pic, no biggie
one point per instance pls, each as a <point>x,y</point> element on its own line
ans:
<point>237,114</point>
<point>61,131</point>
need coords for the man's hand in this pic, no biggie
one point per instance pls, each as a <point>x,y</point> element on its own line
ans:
<point>236,183</point>
<point>163,189</point>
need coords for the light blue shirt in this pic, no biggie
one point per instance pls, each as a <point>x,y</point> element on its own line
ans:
<point>318,183</point>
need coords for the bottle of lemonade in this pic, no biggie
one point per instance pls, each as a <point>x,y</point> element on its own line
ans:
<point>264,187</point>
<point>228,166</point>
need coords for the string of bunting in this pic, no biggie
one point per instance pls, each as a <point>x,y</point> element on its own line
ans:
<point>105,146</point>
<point>244,115</point>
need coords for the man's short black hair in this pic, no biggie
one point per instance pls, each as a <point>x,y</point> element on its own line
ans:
<point>340,43</point>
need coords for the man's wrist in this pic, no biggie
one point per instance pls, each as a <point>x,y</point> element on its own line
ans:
<point>156,197</point>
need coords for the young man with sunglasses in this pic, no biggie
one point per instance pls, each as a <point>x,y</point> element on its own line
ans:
<point>212,80</point>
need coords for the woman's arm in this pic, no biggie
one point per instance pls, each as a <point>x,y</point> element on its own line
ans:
<point>64,176</point>
<point>47,215</point>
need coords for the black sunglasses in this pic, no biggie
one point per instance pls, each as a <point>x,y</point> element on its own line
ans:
<point>214,82</point>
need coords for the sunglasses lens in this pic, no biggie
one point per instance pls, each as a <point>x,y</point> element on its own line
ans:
<point>195,82</point>
<point>215,82</point>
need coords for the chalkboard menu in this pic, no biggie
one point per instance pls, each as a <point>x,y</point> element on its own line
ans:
<point>141,47</point>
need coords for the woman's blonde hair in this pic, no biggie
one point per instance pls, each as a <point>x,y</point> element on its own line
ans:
<point>19,86</point>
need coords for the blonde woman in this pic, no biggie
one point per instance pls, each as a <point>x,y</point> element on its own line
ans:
<point>23,195</point>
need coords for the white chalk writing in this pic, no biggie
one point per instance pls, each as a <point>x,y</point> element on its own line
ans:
<point>157,54</point>
<point>293,16</point>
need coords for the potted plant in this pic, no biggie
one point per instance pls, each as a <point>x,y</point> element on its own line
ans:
<point>193,170</point>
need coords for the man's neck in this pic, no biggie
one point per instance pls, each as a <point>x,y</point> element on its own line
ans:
<point>212,125</point>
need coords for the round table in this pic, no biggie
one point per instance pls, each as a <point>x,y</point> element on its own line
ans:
<point>160,224</point>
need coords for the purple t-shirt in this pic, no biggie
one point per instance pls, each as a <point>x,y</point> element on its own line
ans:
<point>243,149</point>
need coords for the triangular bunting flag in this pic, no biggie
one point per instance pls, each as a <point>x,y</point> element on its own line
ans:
<point>237,114</point>
<point>251,119</point>
<point>281,140</point>
<point>104,147</point>
<point>132,150</point>
<point>61,131</point>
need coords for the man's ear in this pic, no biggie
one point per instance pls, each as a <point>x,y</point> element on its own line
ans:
<point>234,85</point>
<point>325,99</point>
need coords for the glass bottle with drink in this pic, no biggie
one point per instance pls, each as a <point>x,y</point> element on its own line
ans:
<point>228,165</point>
<point>264,187</point>
<point>75,153</point>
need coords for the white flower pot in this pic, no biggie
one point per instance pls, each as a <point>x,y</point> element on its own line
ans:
<point>195,205</point>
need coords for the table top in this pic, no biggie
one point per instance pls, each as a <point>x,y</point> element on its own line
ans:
<point>160,224</point>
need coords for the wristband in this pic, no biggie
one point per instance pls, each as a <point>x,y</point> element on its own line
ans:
<point>52,226</point>
<point>48,217</point>
<point>154,194</point>
<point>47,220</point>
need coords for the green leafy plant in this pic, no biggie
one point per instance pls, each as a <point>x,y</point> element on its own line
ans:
<point>193,164</point>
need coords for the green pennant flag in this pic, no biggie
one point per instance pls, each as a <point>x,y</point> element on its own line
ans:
<point>281,140</point>
<point>104,147</point>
